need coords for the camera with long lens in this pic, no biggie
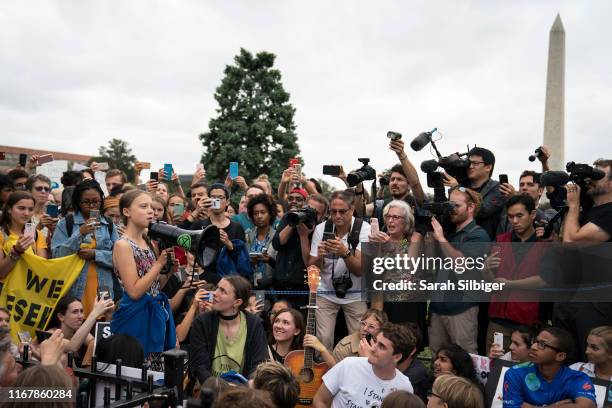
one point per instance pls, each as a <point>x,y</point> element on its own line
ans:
<point>365,172</point>
<point>306,216</point>
<point>203,244</point>
<point>342,285</point>
<point>455,164</point>
<point>424,214</point>
<point>578,173</point>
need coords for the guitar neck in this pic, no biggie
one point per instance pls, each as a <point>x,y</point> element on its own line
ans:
<point>310,329</point>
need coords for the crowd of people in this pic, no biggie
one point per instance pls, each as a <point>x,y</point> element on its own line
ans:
<point>241,315</point>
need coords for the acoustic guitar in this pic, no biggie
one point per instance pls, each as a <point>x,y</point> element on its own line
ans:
<point>308,374</point>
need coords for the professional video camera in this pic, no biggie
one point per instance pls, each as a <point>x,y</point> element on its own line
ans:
<point>455,164</point>
<point>440,207</point>
<point>203,244</point>
<point>365,172</point>
<point>306,216</point>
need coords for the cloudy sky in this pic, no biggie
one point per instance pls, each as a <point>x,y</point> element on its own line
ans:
<point>78,73</point>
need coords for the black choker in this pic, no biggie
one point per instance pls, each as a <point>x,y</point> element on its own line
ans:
<point>232,317</point>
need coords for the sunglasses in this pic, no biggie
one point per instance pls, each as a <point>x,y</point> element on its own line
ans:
<point>42,189</point>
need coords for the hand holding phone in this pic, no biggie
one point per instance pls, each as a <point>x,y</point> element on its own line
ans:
<point>331,170</point>
<point>374,224</point>
<point>233,170</point>
<point>503,178</point>
<point>178,209</point>
<point>168,171</point>
<point>52,210</point>
<point>498,338</point>
<point>29,230</point>
<point>154,176</point>
<point>45,158</point>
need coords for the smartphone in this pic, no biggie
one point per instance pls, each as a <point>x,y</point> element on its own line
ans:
<point>498,338</point>
<point>374,225</point>
<point>42,336</point>
<point>233,170</point>
<point>180,255</point>
<point>199,166</point>
<point>331,170</point>
<point>255,254</point>
<point>95,214</point>
<point>260,295</point>
<point>45,158</point>
<point>154,176</point>
<point>328,235</point>
<point>24,337</point>
<point>208,297</point>
<point>168,171</point>
<point>179,209</point>
<point>29,230</point>
<point>23,158</point>
<point>216,204</point>
<point>103,293</point>
<point>293,162</point>
<point>103,166</point>
<point>394,135</point>
<point>52,210</point>
<point>369,338</point>
<point>503,178</point>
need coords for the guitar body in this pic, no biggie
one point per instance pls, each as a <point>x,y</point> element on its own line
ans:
<point>310,379</point>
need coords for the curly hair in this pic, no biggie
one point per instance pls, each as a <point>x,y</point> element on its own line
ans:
<point>267,201</point>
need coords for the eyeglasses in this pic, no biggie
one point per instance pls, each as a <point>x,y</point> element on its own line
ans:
<point>431,394</point>
<point>20,186</point>
<point>394,217</point>
<point>93,203</point>
<point>472,194</point>
<point>42,189</point>
<point>341,211</point>
<point>370,327</point>
<point>542,345</point>
<point>476,163</point>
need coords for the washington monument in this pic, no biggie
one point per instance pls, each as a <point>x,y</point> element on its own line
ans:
<point>554,114</point>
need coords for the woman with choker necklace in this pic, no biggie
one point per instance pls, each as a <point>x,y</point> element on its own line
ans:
<point>227,338</point>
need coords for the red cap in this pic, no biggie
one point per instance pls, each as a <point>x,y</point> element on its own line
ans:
<point>300,191</point>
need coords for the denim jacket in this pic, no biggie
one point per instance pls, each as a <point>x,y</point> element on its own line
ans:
<point>63,245</point>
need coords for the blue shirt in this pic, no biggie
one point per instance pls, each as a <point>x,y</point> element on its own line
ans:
<point>524,383</point>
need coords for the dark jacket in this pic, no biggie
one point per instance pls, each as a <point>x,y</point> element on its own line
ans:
<point>491,208</point>
<point>203,340</point>
<point>289,269</point>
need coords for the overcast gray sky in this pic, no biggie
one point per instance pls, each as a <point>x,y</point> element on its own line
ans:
<point>78,73</point>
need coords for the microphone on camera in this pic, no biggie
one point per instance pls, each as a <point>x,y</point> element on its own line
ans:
<point>429,166</point>
<point>553,178</point>
<point>420,141</point>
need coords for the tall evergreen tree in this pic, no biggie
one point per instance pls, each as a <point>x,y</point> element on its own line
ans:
<point>118,155</point>
<point>254,125</point>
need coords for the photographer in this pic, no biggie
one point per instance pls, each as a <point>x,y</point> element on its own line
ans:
<point>455,321</point>
<point>593,225</point>
<point>529,185</point>
<point>336,245</point>
<point>404,185</point>
<point>292,243</point>
<point>482,162</point>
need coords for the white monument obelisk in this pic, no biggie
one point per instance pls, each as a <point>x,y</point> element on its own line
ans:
<point>554,115</point>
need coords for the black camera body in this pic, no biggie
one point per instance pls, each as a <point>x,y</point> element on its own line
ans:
<point>579,173</point>
<point>365,172</point>
<point>342,285</point>
<point>306,216</point>
<point>423,215</point>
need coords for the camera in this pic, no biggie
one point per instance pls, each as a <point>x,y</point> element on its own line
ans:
<point>384,180</point>
<point>394,135</point>
<point>455,164</point>
<point>580,174</point>
<point>365,172</point>
<point>342,285</point>
<point>537,154</point>
<point>423,215</point>
<point>306,216</point>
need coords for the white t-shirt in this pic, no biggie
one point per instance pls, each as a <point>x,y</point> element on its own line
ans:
<point>587,368</point>
<point>337,264</point>
<point>353,384</point>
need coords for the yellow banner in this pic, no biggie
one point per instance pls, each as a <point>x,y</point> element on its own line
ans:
<point>33,287</point>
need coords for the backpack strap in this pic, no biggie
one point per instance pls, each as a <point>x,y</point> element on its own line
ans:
<point>353,238</point>
<point>69,224</point>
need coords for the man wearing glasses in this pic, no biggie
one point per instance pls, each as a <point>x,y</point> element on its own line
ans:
<point>547,381</point>
<point>482,162</point>
<point>340,263</point>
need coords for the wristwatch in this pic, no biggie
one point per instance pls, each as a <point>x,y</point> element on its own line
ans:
<point>346,255</point>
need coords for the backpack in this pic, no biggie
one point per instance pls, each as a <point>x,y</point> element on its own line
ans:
<point>70,224</point>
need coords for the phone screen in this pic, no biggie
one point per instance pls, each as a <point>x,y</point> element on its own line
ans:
<point>154,175</point>
<point>233,170</point>
<point>23,158</point>
<point>503,178</point>
<point>328,235</point>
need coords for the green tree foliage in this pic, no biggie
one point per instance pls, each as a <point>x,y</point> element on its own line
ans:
<point>118,155</point>
<point>254,125</point>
